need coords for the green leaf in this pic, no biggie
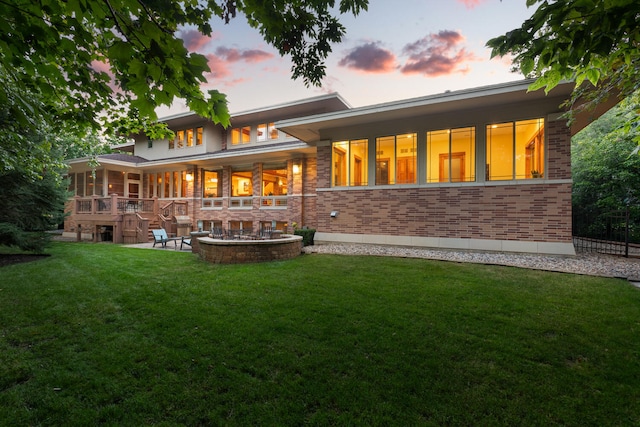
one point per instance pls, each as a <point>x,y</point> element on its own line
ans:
<point>593,75</point>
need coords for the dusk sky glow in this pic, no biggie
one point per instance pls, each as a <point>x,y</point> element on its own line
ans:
<point>395,50</point>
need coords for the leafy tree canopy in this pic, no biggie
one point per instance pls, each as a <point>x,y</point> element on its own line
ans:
<point>120,59</point>
<point>606,176</point>
<point>586,41</point>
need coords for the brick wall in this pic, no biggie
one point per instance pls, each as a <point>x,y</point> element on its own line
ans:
<point>517,211</point>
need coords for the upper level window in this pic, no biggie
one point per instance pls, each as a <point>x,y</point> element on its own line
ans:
<point>241,135</point>
<point>262,132</point>
<point>267,132</point>
<point>273,132</point>
<point>396,159</point>
<point>515,150</point>
<point>185,138</point>
<point>349,163</point>
<point>451,155</point>
<point>179,139</point>
<point>211,184</point>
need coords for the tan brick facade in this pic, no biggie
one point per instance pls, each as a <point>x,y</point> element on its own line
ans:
<point>523,211</point>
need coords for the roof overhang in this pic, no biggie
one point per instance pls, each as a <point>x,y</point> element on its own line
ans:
<point>310,129</point>
<point>304,107</point>
<point>232,157</point>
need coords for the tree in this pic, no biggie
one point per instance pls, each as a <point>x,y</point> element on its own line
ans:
<point>606,176</point>
<point>58,49</point>
<point>595,43</point>
<point>33,191</point>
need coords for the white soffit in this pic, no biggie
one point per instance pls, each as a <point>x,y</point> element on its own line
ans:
<point>308,128</point>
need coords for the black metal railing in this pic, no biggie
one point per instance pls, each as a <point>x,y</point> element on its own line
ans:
<point>613,233</point>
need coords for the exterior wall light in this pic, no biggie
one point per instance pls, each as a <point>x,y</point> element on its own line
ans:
<point>334,214</point>
<point>296,168</point>
<point>189,177</point>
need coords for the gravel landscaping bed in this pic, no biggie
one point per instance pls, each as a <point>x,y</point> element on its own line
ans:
<point>583,263</point>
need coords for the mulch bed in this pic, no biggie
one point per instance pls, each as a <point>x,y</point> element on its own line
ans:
<point>8,259</point>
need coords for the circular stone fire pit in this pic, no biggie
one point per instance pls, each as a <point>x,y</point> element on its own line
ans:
<point>218,251</point>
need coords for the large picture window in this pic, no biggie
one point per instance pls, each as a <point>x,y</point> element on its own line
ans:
<point>274,181</point>
<point>211,184</point>
<point>349,163</point>
<point>451,155</point>
<point>396,159</point>
<point>241,184</point>
<point>515,150</point>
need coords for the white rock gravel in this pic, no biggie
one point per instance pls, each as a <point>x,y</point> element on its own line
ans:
<point>583,263</point>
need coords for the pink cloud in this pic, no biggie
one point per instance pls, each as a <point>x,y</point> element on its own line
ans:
<point>470,4</point>
<point>194,41</point>
<point>369,58</point>
<point>437,55</point>
<point>219,67</point>
<point>249,55</point>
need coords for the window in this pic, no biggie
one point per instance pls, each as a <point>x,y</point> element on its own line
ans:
<point>349,163</point>
<point>241,185</point>
<point>151,185</point>
<point>189,137</point>
<point>274,181</point>
<point>241,135</point>
<point>396,159</point>
<point>80,185</point>
<point>451,155</point>
<point>199,132</point>
<point>267,131</point>
<point>241,227</point>
<point>273,132</point>
<point>515,150</point>
<point>179,139</point>
<point>262,132</point>
<point>211,184</point>
<point>184,180</point>
<point>174,193</point>
<point>166,185</point>
<point>99,183</point>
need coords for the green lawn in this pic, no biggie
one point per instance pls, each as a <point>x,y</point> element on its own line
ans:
<point>103,334</point>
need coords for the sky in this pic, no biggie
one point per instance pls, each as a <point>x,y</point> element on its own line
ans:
<point>398,49</point>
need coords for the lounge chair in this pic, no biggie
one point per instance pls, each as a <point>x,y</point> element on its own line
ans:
<point>160,236</point>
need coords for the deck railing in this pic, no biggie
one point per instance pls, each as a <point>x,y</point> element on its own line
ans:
<point>114,205</point>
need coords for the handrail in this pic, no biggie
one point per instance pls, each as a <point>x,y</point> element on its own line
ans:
<point>112,205</point>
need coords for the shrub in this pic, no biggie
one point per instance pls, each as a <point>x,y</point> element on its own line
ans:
<point>307,235</point>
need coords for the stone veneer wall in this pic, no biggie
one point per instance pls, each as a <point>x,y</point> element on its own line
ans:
<point>248,251</point>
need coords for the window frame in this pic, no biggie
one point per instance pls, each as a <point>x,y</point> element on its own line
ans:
<point>516,151</point>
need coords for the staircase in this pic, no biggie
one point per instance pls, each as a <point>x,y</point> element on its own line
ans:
<point>154,224</point>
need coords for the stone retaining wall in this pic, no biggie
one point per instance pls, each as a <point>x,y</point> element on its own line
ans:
<point>218,251</point>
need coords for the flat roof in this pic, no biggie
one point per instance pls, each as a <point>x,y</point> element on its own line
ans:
<point>298,108</point>
<point>309,128</point>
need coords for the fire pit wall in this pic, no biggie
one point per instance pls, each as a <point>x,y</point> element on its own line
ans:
<point>219,251</point>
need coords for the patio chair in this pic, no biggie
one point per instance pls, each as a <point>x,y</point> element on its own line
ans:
<point>217,233</point>
<point>160,236</point>
<point>185,241</point>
